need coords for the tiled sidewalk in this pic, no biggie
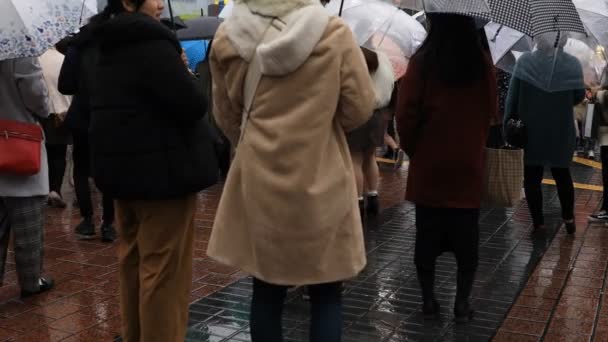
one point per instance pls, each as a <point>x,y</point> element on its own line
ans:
<point>382,304</point>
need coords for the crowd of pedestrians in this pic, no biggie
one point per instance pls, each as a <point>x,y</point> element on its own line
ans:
<point>305,110</point>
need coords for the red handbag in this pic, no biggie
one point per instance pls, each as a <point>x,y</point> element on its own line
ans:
<point>20,148</point>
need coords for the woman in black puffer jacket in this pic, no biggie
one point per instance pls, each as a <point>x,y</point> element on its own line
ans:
<point>152,152</point>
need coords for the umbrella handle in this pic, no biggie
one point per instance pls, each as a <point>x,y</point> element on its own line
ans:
<point>171,16</point>
<point>493,40</point>
<point>81,12</point>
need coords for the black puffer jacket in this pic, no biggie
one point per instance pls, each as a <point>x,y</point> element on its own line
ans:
<point>148,137</point>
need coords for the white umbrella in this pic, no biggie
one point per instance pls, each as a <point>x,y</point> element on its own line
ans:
<point>30,27</point>
<point>380,26</point>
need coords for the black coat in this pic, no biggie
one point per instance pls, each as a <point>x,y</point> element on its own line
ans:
<point>148,136</point>
<point>75,76</point>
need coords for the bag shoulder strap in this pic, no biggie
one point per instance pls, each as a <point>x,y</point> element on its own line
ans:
<point>254,76</point>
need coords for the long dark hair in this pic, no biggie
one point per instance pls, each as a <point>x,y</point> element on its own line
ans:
<point>452,51</point>
<point>113,8</point>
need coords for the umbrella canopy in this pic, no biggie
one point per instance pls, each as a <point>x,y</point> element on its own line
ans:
<point>594,14</point>
<point>380,26</point>
<point>467,7</point>
<point>196,51</point>
<point>202,28</point>
<point>227,10</point>
<point>535,17</point>
<point>550,61</point>
<point>550,58</point>
<point>30,27</point>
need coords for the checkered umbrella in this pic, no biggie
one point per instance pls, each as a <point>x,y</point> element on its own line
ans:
<point>535,17</point>
<point>466,7</point>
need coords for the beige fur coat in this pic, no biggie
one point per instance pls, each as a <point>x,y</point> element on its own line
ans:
<point>288,214</point>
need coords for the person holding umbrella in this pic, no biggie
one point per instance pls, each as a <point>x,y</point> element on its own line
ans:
<point>288,214</point>
<point>548,117</point>
<point>448,100</point>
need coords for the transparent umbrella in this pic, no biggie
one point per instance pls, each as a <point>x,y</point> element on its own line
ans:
<point>380,26</point>
<point>551,61</point>
<point>594,14</point>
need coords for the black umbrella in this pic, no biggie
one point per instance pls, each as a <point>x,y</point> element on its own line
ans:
<point>202,28</point>
<point>174,24</point>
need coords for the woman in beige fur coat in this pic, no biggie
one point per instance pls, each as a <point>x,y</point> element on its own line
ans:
<point>289,214</point>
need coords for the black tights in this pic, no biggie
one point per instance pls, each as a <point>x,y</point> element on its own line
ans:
<point>82,172</point>
<point>604,156</point>
<point>533,177</point>
<point>267,312</point>
<point>56,157</point>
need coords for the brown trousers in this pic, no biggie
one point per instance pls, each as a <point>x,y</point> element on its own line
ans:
<point>155,268</point>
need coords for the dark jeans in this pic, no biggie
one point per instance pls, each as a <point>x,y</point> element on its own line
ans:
<point>82,171</point>
<point>440,230</point>
<point>604,156</point>
<point>56,157</point>
<point>533,177</point>
<point>267,312</point>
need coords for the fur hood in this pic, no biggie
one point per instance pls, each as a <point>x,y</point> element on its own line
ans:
<point>384,81</point>
<point>304,22</point>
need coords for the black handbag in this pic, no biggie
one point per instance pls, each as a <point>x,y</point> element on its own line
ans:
<point>515,133</point>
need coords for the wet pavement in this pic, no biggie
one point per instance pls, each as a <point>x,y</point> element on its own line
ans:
<point>530,287</point>
<point>383,303</point>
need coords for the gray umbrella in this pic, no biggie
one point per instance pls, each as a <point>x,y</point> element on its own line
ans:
<point>200,28</point>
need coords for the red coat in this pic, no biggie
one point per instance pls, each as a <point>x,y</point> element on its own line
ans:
<point>444,129</point>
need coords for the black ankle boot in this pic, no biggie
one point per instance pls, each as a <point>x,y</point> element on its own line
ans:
<point>373,205</point>
<point>462,306</point>
<point>430,306</point>
<point>362,208</point>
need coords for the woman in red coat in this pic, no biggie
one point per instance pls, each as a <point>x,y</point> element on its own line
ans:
<point>446,103</point>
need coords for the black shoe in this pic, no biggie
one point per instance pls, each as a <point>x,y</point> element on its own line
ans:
<point>600,216</point>
<point>373,205</point>
<point>431,309</point>
<point>45,285</point>
<point>362,208</point>
<point>462,311</point>
<point>430,306</point>
<point>85,230</point>
<point>570,227</point>
<point>108,233</point>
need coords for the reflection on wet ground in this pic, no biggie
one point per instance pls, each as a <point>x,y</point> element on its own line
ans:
<point>383,303</point>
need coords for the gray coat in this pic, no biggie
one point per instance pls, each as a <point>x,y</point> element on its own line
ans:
<point>23,97</point>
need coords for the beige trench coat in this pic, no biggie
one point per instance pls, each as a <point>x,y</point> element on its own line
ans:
<point>289,214</point>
